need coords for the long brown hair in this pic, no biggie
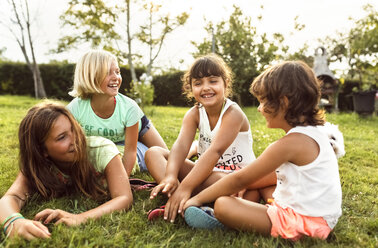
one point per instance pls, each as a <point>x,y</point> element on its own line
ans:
<point>296,81</point>
<point>39,169</point>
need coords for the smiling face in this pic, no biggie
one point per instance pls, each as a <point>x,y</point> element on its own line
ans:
<point>60,143</point>
<point>209,91</point>
<point>112,81</point>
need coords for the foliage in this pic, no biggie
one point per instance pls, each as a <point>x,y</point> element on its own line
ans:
<point>245,50</point>
<point>16,79</point>
<point>89,21</point>
<point>142,91</point>
<point>168,89</point>
<point>155,43</point>
<point>19,26</point>
<point>98,22</point>
<point>357,226</point>
<point>359,49</point>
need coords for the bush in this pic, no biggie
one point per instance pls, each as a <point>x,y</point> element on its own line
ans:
<point>17,79</point>
<point>168,90</point>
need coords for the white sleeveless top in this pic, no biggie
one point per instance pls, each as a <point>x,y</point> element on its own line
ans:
<point>313,189</point>
<point>237,155</point>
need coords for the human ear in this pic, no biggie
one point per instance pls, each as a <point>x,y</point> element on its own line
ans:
<point>284,102</point>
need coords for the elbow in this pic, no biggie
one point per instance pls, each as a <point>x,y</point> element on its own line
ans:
<point>126,201</point>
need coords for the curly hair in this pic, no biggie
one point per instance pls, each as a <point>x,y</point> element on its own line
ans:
<point>296,81</point>
<point>205,66</point>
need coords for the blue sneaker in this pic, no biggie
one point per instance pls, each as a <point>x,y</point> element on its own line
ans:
<point>202,217</point>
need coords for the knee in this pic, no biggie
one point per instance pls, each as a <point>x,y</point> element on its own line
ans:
<point>153,153</point>
<point>220,207</point>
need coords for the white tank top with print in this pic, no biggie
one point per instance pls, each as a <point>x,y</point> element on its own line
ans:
<point>237,155</point>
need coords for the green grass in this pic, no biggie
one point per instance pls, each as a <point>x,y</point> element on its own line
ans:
<point>358,226</point>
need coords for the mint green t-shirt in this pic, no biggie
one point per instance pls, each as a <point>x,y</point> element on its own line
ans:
<point>100,152</point>
<point>126,114</point>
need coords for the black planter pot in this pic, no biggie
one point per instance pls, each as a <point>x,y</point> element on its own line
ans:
<point>363,102</point>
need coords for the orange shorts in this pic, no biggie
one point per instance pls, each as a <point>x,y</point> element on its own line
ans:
<point>290,225</point>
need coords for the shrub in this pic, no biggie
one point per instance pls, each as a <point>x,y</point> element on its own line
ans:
<point>168,90</point>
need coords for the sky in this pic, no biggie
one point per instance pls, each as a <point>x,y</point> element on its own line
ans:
<point>321,18</point>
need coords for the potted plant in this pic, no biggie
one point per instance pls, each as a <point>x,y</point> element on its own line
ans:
<point>364,100</point>
<point>358,48</point>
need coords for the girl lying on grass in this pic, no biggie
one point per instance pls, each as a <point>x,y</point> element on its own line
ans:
<point>307,198</point>
<point>224,142</point>
<point>55,160</point>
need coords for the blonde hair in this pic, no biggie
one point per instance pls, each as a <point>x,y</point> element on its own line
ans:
<point>205,66</point>
<point>90,72</point>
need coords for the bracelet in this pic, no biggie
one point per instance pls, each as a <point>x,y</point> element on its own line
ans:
<point>10,217</point>
<point>10,222</point>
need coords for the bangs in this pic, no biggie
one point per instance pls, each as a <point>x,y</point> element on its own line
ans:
<point>206,68</point>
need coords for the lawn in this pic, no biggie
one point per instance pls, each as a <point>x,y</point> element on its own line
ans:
<point>358,226</point>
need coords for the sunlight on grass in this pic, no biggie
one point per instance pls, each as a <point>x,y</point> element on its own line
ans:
<point>358,171</point>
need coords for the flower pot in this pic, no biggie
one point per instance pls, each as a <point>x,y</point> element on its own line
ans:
<point>363,102</point>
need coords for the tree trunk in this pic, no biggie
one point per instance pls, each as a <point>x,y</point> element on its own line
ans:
<point>129,55</point>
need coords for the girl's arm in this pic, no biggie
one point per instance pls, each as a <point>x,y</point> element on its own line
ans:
<point>229,129</point>
<point>178,153</point>
<point>120,192</point>
<point>11,203</point>
<point>275,155</point>
<point>131,140</point>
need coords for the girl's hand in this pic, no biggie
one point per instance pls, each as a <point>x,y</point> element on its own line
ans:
<point>167,186</point>
<point>60,216</point>
<point>176,203</point>
<point>192,202</point>
<point>28,229</point>
<point>240,194</point>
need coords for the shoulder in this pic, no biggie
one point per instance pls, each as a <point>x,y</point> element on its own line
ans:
<point>123,98</point>
<point>299,147</point>
<point>191,117</point>
<point>101,151</point>
<point>126,101</point>
<point>192,113</point>
<point>234,112</point>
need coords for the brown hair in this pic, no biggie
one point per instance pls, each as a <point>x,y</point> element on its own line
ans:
<point>296,81</point>
<point>39,169</point>
<point>205,66</point>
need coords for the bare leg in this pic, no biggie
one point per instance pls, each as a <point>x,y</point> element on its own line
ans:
<point>252,195</point>
<point>267,192</point>
<point>242,214</point>
<point>153,138</point>
<point>193,150</point>
<point>156,160</point>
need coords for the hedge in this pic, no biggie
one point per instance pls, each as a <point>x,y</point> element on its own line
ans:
<point>16,79</point>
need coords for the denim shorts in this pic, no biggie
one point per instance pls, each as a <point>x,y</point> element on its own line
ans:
<point>146,125</point>
<point>141,148</point>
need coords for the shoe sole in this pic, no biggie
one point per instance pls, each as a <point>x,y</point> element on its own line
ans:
<point>197,218</point>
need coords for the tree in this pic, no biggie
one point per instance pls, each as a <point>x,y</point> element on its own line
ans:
<point>21,22</point>
<point>359,49</point>
<point>146,34</point>
<point>98,22</point>
<point>243,49</point>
